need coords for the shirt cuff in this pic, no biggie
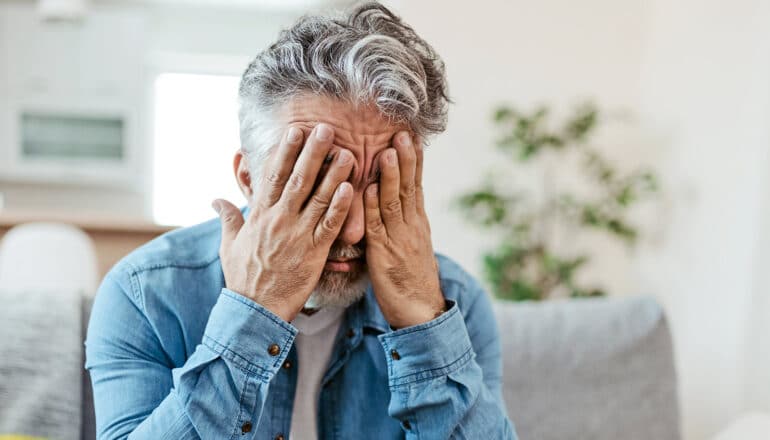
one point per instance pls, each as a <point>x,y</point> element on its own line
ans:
<point>423,352</point>
<point>248,335</point>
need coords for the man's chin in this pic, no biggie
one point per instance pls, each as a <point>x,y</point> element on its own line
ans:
<point>338,289</point>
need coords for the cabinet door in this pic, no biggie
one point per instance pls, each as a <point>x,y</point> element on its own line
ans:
<point>88,74</point>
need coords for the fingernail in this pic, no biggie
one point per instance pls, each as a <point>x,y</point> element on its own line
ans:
<point>405,139</point>
<point>343,190</point>
<point>323,132</point>
<point>391,157</point>
<point>215,204</point>
<point>372,190</point>
<point>294,134</point>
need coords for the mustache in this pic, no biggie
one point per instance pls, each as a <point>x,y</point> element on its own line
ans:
<point>347,252</point>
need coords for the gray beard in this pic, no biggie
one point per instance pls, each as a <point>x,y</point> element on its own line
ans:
<point>338,289</point>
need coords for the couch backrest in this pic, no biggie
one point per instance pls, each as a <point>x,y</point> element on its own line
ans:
<point>589,369</point>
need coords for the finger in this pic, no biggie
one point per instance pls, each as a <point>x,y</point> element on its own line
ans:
<point>306,169</point>
<point>331,223</point>
<point>419,195</point>
<point>230,217</point>
<point>406,169</point>
<point>279,168</point>
<point>375,229</point>
<point>390,202</point>
<point>339,171</point>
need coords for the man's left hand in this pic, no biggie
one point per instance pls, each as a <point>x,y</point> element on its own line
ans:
<point>399,253</point>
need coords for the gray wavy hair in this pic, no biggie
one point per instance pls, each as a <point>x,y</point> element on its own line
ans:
<point>367,55</point>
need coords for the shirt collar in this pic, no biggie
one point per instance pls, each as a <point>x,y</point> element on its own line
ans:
<point>371,314</point>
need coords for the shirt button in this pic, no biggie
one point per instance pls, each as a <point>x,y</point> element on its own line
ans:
<point>406,424</point>
<point>394,354</point>
<point>287,365</point>
<point>246,427</point>
<point>273,350</point>
<point>279,437</point>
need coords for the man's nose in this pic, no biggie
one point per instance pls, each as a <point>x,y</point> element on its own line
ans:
<point>353,229</point>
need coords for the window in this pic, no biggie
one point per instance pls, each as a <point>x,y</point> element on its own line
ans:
<point>195,137</point>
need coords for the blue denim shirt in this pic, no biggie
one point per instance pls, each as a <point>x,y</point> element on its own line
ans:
<point>175,355</point>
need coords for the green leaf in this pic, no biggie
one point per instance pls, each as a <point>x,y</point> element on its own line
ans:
<point>484,206</point>
<point>503,113</point>
<point>582,122</point>
<point>625,196</point>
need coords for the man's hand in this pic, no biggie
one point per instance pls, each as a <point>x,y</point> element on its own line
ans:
<point>399,253</point>
<point>276,256</point>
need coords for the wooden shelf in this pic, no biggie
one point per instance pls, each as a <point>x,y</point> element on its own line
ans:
<point>96,222</point>
<point>113,238</point>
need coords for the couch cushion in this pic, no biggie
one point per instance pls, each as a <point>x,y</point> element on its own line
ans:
<point>40,363</point>
<point>589,369</point>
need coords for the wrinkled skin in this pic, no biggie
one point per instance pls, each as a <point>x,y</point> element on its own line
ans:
<point>369,195</point>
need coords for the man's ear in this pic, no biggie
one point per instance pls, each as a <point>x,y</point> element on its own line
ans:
<point>242,174</point>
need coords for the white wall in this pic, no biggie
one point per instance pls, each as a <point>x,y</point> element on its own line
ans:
<point>706,92</point>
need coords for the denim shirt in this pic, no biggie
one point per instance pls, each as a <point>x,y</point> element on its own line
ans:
<point>175,355</point>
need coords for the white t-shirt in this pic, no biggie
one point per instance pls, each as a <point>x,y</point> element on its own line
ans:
<point>314,343</point>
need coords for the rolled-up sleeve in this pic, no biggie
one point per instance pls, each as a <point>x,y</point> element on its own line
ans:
<point>428,350</point>
<point>438,389</point>
<point>248,335</point>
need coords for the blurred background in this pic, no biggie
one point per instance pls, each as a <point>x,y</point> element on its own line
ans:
<point>119,117</point>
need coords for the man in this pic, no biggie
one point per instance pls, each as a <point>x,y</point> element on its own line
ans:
<point>320,311</point>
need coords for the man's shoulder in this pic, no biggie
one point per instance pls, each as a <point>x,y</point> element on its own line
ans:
<point>187,248</point>
<point>457,284</point>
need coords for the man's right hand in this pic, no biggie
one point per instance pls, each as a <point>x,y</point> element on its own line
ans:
<point>276,255</point>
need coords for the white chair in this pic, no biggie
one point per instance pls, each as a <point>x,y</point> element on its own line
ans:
<point>47,256</point>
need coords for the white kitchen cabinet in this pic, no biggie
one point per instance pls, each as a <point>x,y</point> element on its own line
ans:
<point>77,73</point>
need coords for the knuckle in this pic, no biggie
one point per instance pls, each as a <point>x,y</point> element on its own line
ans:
<point>273,177</point>
<point>331,223</point>
<point>376,227</point>
<point>297,181</point>
<point>228,218</point>
<point>319,201</point>
<point>392,207</point>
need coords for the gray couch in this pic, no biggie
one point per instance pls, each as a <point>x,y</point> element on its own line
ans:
<point>589,369</point>
<point>583,369</point>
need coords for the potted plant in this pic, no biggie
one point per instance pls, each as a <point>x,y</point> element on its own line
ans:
<point>527,264</point>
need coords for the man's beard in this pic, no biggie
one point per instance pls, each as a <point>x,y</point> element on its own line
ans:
<point>341,289</point>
